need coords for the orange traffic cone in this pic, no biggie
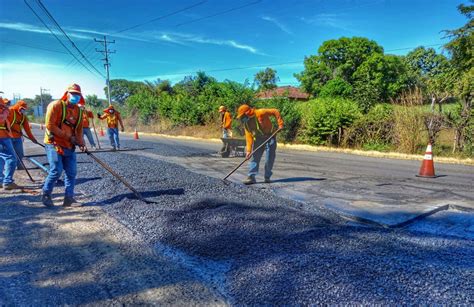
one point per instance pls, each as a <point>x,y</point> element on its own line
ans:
<point>427,167</point>
<point>101,132</point>
<point>136,135</point>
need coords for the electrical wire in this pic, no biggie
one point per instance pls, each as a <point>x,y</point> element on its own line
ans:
<point>57,38</point>
<point>33,47</point>
<point>67,36</point>
<point>160,17</point>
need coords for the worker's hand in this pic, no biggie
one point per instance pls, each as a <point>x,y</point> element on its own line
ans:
<point>280,128</point>
<point>34,141</point>
<point>99,115</point>
<point>123,129</point>
<point>83,148</point>
<point>248,155</point>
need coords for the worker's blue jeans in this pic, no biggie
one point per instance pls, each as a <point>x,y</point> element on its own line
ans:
<point>18,146</point>
<point>270,153</point>
<point>88,133</point>
<point>58,163</point>
<point>7,161</point>
<point>113,134</point>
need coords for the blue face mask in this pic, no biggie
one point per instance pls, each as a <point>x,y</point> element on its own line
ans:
<point>74,99</point>
<point>22,111</point>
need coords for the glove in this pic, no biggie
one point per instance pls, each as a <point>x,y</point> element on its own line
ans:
<point>123,129</point>
<point>83,148</point>
<point>248,155</point>
<point>99,115</point>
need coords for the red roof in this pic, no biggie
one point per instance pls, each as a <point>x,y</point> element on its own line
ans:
<point>284,91</point>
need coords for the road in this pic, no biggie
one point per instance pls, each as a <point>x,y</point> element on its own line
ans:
<point>286,242</point>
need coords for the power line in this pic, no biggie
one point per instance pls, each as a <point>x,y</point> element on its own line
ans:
<point>67,36</point>
<point>161,17</point>
<point>219,13</point>
<point>57,38</point>
<point>33,47</point>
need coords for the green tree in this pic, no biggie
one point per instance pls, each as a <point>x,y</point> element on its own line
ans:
<point>461,49</point>
<point>434,73</point>
<point>336,87</point>
<point>266,79</point>
<point>46,98</point>
<point>94,101</point>
<point>121,89</point>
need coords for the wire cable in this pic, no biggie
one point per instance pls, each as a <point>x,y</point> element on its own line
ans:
<point>67,36</point>
<point>57,38</point>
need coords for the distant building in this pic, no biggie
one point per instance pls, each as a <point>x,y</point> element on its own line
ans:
<point>290,92</point>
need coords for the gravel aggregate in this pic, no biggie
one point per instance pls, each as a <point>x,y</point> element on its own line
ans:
<point>256,248</point>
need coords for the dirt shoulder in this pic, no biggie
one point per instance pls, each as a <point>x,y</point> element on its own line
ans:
<point>81,255</point>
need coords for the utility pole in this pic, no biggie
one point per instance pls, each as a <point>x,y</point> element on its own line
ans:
<point>42,91</point>
<point>106,53</point>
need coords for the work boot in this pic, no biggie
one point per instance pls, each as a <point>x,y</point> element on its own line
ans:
<point>114,149</point>
<point>46,200</point>
<point>11,186</point>
<point>69,201</point>
<point>250,180</point>
<point>267,180</point>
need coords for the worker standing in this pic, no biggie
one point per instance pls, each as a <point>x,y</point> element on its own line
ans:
<point>63,134</point>
<point>113,120</point>
<point>226,119</point>
<point>258,128</point>
<point>86,115</point>
<point>19,121</point>
<point>7,153</point>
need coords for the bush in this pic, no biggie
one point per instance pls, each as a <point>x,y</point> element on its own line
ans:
<point>336,88</point>
<point>373,130</point>
<point>325,118</point>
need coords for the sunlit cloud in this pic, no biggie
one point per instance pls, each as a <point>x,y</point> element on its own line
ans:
<point>336,21</point>
<point>23,27</point>
<point>277,23</point>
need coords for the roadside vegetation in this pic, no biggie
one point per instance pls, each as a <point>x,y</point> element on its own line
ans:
<point>361,98</point>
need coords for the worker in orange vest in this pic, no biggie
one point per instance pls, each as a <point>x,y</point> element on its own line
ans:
<point>63,134</point>
<point>258,128</point>
<point>7,153</point>
<point>86,115</point>
<point>226,120</point>
<point>113,120</point>
<point>19,122</point>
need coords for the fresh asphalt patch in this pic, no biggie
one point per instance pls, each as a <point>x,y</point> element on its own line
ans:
<point>256,248</point>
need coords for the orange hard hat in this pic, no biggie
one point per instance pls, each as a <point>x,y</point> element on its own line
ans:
<point>21,104</point>
<point>245,109</point>
<point>5,101</point>
<point>74,88</point>
<point>222,109</point>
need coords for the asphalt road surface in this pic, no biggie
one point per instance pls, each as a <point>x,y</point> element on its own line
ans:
<point>297,241</point>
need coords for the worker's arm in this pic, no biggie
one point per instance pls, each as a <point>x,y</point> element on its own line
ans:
<point>249,141</point>
<point>90,114</point>
<point>26,126</point>
<point>276,114</point>
<point>120,121</point>
<point>53,121</point>
<point>80,136</point>
<point>103,116</point>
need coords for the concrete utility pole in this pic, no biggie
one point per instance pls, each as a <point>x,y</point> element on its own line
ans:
<point>43,108</point>
<point>106,52</point>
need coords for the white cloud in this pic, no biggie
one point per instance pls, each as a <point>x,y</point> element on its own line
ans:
<point>277,23</point>
<point>336,21</point>
<point>183,39</point>
<point>23,27</point>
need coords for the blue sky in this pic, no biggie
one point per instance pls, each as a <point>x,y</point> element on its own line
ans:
<point>273,33</point>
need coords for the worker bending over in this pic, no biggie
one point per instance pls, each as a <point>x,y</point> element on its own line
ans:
<point>63,134</point>
<point>258,128</point>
